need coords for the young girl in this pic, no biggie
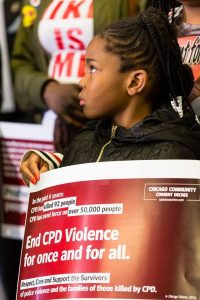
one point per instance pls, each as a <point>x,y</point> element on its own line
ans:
<point>48,57</point>
<point>135,90</point>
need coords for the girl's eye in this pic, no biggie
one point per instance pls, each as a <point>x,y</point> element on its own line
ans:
<point>92,69</point>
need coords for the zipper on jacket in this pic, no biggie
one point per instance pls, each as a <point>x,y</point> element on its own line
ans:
<point>113,130</point>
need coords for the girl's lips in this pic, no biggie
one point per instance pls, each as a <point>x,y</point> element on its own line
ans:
<point>82,100</point>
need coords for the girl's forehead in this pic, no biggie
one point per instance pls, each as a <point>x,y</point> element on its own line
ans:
<point>96,52</point>
<point>97,42</point>
<point>96,46</point>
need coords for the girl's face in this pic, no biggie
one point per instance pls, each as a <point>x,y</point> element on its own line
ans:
<point>104,92</point>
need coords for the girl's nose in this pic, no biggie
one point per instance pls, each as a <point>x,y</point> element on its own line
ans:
<point>81,83</point>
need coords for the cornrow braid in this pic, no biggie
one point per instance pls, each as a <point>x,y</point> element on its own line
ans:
<point>170,57</point>
<point>149,42</point>
<point>165,6</point>
<point>169,8</point>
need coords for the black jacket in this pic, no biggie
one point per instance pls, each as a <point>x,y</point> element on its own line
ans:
<point>162,135</point>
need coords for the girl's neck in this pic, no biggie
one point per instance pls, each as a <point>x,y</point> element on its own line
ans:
<point>191,14</point>
<point>131,117</point>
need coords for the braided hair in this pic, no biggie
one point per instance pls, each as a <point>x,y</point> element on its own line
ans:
<point>148,41</point>
<point>164,5</point>
<point>168,7</point>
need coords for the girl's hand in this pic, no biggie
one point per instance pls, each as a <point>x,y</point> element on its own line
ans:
<point>32,167</point>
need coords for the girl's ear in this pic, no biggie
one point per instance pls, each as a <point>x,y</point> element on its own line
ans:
<point>137,80</point>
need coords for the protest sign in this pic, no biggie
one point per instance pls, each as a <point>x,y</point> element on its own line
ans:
<point>15,139</point>
<point>113,230</point>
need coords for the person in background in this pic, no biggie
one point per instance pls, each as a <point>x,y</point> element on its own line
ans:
<point>49,53</point>
<point>10,248</point>
<point>185,15</point>
<point>136,97</point>
<point>9,15</point>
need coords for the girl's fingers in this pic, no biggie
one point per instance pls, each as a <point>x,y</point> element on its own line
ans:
<point>32,167</point>
<point>44,167</point>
